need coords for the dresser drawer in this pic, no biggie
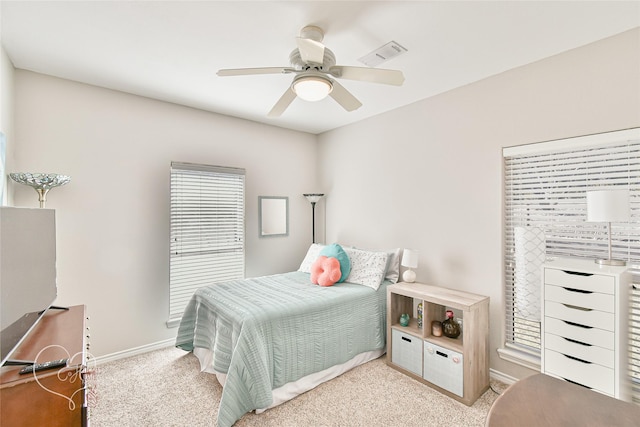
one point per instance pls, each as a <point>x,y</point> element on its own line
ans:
<point>583,351</point>
<point>591,282</point>
<point>590,335</point>
<point>584,299</point>
<point>594,318</point>
<point>406,351</point>
<point>587,374</point>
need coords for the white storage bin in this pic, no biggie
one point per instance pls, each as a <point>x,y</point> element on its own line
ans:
<point>406,351</point>
<point>443,368</point>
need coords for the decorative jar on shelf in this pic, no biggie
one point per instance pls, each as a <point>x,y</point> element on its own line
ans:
<point>404,320</point>
<point>436,328</point>
<point>450,327</point>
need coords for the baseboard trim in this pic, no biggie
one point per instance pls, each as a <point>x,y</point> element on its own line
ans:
<point>502,377</point>
<point>134,351</point>
<point>493,374</point>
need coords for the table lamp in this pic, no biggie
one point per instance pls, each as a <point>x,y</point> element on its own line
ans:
<point>409,260</point>
<point>608,205</point>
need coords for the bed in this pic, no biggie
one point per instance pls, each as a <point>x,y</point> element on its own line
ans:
<point>271,338</point>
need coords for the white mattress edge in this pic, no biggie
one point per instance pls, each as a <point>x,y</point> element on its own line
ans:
<point>295,388</point>
<point>304,384</point>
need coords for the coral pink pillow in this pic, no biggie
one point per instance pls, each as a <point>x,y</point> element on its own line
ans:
<point>325,271</point>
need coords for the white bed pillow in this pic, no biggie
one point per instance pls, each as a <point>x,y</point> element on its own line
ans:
<point>393,265</point>
<point>312,254</point>
<point>392,273</point>
<point>367,267</point>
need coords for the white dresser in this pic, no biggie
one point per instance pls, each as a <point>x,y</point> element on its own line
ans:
<point>584,326</point>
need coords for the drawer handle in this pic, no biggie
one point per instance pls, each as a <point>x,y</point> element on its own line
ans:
<point>577,359</point>
<point>575,307</point>
<point>577,342</point>
<point>581,291</point>
<point>439,353</point>
<point>406,339</point>
<point>578,273</point>
<point>576,383</point>
<point>577,324</point>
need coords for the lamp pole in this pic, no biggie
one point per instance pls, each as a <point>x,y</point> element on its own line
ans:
<point>313,198</point>
<point>313,222</point>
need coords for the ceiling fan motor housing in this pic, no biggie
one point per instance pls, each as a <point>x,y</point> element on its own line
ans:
<point>313,33</point>
<point>328,61</point>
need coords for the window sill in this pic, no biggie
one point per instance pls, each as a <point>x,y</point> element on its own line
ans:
<point>520,357</point>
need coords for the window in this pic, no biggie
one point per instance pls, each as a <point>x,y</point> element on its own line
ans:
<point>545,189</point>
<point>207,230</point>
<point>634,339</point>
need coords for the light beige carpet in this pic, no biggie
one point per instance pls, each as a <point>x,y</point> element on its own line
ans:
<point>166,388</point>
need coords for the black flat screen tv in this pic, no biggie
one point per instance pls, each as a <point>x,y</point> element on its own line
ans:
<point>27,272</point>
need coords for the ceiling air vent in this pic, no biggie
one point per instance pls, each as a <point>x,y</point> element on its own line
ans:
<point>382,54</point>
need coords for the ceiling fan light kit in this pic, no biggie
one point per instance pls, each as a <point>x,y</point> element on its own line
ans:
<point>313,63</point>
<point>312,88</point>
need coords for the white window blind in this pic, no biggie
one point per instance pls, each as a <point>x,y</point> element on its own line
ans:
<point>545,189</point>
<point>207,230</point>
<point>634,339</point>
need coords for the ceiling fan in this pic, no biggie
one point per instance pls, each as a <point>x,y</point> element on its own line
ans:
<point>315,71</point>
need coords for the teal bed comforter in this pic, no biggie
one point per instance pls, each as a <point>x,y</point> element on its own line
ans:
<point>268,331</point>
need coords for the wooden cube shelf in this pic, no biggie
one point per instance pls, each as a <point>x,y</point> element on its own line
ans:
<point>472,345</point>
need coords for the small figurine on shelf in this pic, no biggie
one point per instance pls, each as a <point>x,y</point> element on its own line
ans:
<point>420,315</point>
<point>404,320</point>
<point>450,327</point>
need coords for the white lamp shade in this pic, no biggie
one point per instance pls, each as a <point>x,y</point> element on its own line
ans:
<point>409,258</point>
<point>608,205</point>
<point>313,197</point>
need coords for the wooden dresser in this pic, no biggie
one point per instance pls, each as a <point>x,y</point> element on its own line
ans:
<point>24,399</point>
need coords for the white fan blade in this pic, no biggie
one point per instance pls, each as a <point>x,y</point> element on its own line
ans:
<point>285,100</point>
<point>310,50</point>
<point>344,97</point>
<point>251,71</point>
<point>372,75</point>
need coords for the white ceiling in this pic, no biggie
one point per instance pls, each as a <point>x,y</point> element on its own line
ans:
<point>171,50</point>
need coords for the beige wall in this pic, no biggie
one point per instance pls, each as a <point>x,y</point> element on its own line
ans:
<point>6,118</point>
<point>429,176</point>
<point>113,217</point>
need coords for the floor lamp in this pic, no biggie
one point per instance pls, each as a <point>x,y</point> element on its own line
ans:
<point>41,182</point>
<point>313,198</point>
